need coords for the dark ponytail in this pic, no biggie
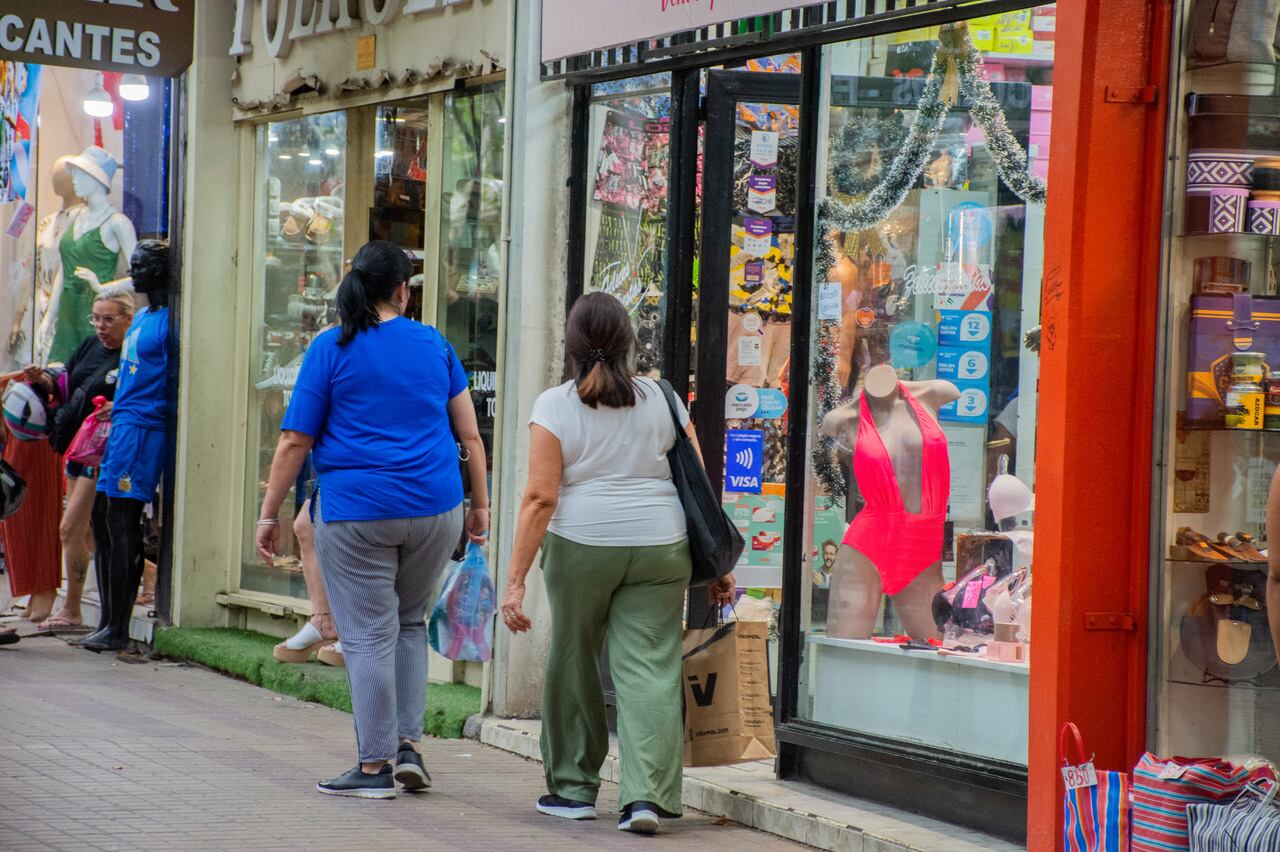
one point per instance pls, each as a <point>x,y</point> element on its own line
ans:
<point>378,268</point>
<point>598,340</point>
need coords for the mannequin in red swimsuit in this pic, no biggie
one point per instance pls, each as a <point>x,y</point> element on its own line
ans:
<point>894,546</point>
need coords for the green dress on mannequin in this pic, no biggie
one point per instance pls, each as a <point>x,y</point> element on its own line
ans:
<point>77,295</point>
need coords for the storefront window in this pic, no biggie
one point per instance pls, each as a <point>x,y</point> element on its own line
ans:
<point>297,266</point>
<point>1217,675</point>
<point>626,219</point>
<point>400,168</point>
<point>925,328</point>
<point>470,241</point>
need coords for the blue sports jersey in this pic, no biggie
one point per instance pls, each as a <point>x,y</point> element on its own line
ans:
<point>378,410</point>
<point>143,386</point>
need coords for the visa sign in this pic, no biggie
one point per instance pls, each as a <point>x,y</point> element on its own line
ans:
<point>743,460</point>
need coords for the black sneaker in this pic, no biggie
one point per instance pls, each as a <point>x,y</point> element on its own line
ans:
<point>409,769</point>
<point>553,805</point>
<point>355,782</point>
<point>640,818</point>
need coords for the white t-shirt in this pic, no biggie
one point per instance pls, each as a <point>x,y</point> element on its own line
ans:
<point>616,488</point>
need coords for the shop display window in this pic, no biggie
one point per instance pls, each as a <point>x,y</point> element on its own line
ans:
<point>925,329</point>
<point>298,264</point>
<point>1216,680</point>
<point>625,247</point>
<point>470,241</point>
<point>398,213</point>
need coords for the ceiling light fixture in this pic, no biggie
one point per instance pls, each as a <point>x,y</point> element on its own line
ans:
<point>331,152</point>
<point>97,102</point>
<point>134,87</point>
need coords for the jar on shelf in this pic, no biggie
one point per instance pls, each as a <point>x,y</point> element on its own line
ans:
<point>1245,405</point>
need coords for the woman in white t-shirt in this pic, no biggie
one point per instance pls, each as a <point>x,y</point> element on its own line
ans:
<point>616,564</point>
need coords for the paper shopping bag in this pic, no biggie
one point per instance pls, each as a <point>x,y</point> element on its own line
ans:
<point>728,717</point>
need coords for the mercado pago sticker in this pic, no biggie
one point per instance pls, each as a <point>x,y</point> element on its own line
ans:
<point>759,236</point>
<point>764,149</point>
<point>762,193</point>
<point>751,323</point>
<point>753,272</point>
<point>964,328</point>
<point>969,365</point>
<point>741,402</point>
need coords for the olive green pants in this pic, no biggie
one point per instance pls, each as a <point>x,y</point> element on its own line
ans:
<point>634,597</point>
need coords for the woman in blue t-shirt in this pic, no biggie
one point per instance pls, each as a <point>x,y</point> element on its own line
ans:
<point>377,403</point>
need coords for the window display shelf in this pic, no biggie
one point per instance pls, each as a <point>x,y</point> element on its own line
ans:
<point>1232,234</point>
<point>1266,683</point>
<point>873,647</point>
<point>1238,564</point>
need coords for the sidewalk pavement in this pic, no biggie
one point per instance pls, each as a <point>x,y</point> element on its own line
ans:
<point>97,752</point>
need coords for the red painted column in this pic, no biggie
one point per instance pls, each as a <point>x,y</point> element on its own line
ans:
<point>1093,465</point>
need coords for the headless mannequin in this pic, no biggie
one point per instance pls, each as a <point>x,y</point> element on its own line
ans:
<point>117,521</point>
<point>856,585</point>
<point>48,271</point>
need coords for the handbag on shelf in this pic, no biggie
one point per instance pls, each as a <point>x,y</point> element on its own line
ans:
<point>1096,808</point>
<point>1222,31</point>
<point>1220,325</point>
<point>714,541</point>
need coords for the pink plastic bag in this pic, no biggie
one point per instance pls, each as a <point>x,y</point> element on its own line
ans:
<point>90,441</point>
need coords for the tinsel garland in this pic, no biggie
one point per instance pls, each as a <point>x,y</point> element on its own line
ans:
<point>955,58</point>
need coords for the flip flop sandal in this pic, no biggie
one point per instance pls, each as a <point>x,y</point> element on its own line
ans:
<point>1239,549</point>
<point>55,626</point>
<point>1189,549</point>
<point>1247,546</point>
<point>299,647</point>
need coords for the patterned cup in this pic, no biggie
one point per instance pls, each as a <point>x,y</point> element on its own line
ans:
<point>1227,210</point>
<point>1264,217</point>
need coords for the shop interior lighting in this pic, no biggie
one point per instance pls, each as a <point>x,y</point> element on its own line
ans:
<point>304,153</point>
<point>383,153</point>
<point>271,137</point>
<point>98,103</point>
<point>331,152</point>
<point>286,156</point>
<point>315,161</point>
<point>502,119</point>
<point>134,87</point>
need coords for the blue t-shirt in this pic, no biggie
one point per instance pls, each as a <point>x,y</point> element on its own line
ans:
<point>377,408</point>
<point>143,387</point>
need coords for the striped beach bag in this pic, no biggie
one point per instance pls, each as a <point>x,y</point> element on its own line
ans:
<point>1251,823</point>
<point>1096,806</point>
<point>1164,789</point>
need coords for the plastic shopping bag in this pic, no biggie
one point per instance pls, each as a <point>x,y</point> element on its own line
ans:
<point>90,440</point>
<point>462,621</point>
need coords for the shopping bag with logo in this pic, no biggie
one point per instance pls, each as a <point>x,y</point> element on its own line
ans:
<point>90,440</point>
<point>462,620</point>
<point>1164,789</point>
<point>1251,823</point>
<point>1096,807</point>
<point>728,717</point>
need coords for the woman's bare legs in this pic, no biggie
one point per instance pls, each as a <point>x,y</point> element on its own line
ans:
<point>76,544</point>
<point>320,616</point>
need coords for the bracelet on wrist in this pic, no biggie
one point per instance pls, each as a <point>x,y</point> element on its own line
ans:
<point>269,522</point>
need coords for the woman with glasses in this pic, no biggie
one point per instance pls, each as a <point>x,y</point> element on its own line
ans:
<point>90,372</point>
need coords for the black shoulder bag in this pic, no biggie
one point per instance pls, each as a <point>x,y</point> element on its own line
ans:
<point>714,541</point>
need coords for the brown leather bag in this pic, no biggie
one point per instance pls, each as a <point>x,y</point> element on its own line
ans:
<point>1223,31</point>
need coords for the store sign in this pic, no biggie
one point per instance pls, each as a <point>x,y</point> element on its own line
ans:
<point>152,37</point>
<point>285,22</point>
<point>570,27</point>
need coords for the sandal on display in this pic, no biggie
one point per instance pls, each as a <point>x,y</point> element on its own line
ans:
<point>331,655</point>
<point>1192,546</point>
<point>1249,547</point>
<point>1233,640</point>
<point>299,647</point>
<point>1239,549</point>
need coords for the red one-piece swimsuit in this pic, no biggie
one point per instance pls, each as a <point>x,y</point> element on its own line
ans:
<point>899,543</point>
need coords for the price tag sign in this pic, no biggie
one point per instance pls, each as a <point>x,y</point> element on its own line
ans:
<point>1080,776</point>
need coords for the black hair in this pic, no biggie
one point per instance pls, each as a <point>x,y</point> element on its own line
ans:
<point>378,268</point>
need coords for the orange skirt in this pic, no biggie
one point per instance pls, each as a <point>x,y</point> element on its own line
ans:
<point>32,549</point>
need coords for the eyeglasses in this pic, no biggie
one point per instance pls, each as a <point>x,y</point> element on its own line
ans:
<point>95,319</point>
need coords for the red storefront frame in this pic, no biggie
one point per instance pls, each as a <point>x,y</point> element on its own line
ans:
<point>1096,421</point>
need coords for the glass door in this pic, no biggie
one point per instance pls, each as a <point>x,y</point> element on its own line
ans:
<point>744,331</point>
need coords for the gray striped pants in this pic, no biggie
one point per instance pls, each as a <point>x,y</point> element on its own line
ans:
<point>380,576</point>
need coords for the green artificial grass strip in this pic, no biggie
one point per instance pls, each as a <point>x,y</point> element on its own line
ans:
<point>247,655</point>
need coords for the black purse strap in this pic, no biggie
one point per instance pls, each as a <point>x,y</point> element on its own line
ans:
<point>669,393</point>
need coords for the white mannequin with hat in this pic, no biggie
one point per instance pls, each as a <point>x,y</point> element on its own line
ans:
<point>95,248</point>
